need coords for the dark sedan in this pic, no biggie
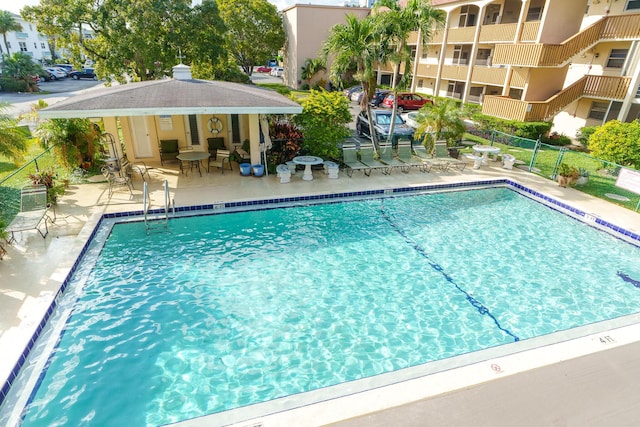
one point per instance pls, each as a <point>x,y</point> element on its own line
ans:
<point>85,73</point>
<point>381,125</point>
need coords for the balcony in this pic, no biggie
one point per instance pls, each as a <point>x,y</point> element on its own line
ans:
<point>455,72</point>
<point>427,70</point>
<point>605,87</point>
<point>489,76</point>
<point>498,33</point>
<point>618,28</point>
<point>461,35</point>
<point>22,35</point>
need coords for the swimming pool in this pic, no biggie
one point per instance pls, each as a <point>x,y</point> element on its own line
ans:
<point>426,263</point>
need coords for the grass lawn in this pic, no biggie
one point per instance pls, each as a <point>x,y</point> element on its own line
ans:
<point>602,176</point>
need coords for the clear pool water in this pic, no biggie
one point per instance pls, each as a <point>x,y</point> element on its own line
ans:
<point>233,309</point>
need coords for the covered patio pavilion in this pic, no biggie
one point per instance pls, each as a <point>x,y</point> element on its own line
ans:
<point>188,110</point>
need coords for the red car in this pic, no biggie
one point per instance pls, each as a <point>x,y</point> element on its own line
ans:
<point>406,101</point>
<point>263,69</point>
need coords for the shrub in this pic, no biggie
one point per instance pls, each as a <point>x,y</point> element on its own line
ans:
<point>556,139</point>
<point>617,142</point>
<point>305,86</point>
<point>529,130</point>
<point>585,133</point>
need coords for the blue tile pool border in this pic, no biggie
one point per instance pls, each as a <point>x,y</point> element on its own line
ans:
<point>226,207</point>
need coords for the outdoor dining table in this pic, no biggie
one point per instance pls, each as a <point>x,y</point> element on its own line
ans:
<point>484,150</point>
<point>194,158</point>
<point>307,161</point>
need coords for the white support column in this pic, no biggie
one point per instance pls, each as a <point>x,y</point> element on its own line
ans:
<point>633,85</point>
<point>472,55</point>
<point>254,138</point>
<point>111,126</point>
<point>443,48</point>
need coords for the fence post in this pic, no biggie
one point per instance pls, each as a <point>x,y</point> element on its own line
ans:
<point>535,153</point>
<point>493,136</point>
<point>554,174</point>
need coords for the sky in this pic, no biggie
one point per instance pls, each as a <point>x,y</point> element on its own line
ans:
<point>15,5</point>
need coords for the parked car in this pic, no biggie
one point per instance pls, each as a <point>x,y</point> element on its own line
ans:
<point>348,91</point>
<point>378,97</point>
<point>57,74</point>
<point>62,70</point>
<point>263,69</point>
<point>85,73</point>
<point>406,101</point>
<point>68,67</point>
<point>356,95</point>
<point>410,119</point>
<point>277,71</point>
<point>381,124</point>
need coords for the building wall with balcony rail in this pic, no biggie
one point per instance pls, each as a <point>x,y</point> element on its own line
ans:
<point>589,44</point>
<point>27,41</point>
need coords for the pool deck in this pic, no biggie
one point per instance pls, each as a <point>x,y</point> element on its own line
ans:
<point>587,382</point>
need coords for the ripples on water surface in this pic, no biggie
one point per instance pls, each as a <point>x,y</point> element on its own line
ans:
<point>229,310</point>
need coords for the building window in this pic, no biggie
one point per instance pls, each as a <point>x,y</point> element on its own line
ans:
<point>534,14</point>
<point>23,46</point>
<point>8,45</point>
<point>420,82</point>
<point>467,18</point>
<point>598,110</point>
<point>616,58</point>
<point>633,4</point>
<point>35,45</point>
<point>42,45</point>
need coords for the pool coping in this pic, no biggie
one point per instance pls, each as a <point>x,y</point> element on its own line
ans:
<point>93,226</point>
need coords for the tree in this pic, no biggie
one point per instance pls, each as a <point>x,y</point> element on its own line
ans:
<point>310,68</point>
<point>323,121</point>
<point>443,119</point>
<point>21,67</point>
<point>7,24</point>
<point>73,140</point>
<point>350,45</point>
<point>617,142</point>
<point>133,39</point>
<point>255,31</point>
<point>395,24</point>
<point>13,140</point>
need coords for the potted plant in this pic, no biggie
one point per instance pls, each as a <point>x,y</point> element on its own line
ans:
<point>583,176</point>
<point>46,178</point>
<point>566,174</point>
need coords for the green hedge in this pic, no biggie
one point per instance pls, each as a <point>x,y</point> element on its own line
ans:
<point>530,130</point>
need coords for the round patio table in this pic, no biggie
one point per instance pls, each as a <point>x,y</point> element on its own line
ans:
<point>194,158</point>
<point>307,161</point>
<point>484,150</point>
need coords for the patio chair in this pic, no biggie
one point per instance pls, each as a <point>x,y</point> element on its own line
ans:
<point>33,211</point>
<point>130,169</point>
<point>440,152</point>
<point>351,162</point>
<point>168,150</point>
<point>215,144</point>
<point>387,157</point>
<point>421,152</point>
<point>222,157</point>
<point>116,180</point>
<point>405,156</point>
<point>366,157</point>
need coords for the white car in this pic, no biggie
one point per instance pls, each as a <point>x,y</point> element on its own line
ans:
<point>277,71</point>
<point>56,73</point>
<point>410,119</point>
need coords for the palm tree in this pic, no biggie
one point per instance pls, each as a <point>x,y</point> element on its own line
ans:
<point>442,119</point>
<point>310,68</point>
<point>396,23</point>
<point>353,44</point>
<point>13,140</point>
<point>8,23</point>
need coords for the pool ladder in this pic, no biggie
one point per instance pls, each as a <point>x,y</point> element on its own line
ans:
<point>163,220</point>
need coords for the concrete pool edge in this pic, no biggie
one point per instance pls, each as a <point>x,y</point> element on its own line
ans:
<point>65,271</point>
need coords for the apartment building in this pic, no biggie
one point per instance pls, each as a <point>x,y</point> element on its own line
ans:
<point>576,62</point>
<point>307,26</point>
<point>27,41</point>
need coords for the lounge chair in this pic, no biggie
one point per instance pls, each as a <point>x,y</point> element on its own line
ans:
<point>168,150</point>
<point>387,157</point>
<point>405,156</point>
<point>421,152</point>
<point>33,211</point>
<point>351,162</point>
<point>440,152</point>
<point>366,157</point>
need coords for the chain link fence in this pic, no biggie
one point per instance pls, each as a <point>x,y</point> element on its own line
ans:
<point>596,177</point>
